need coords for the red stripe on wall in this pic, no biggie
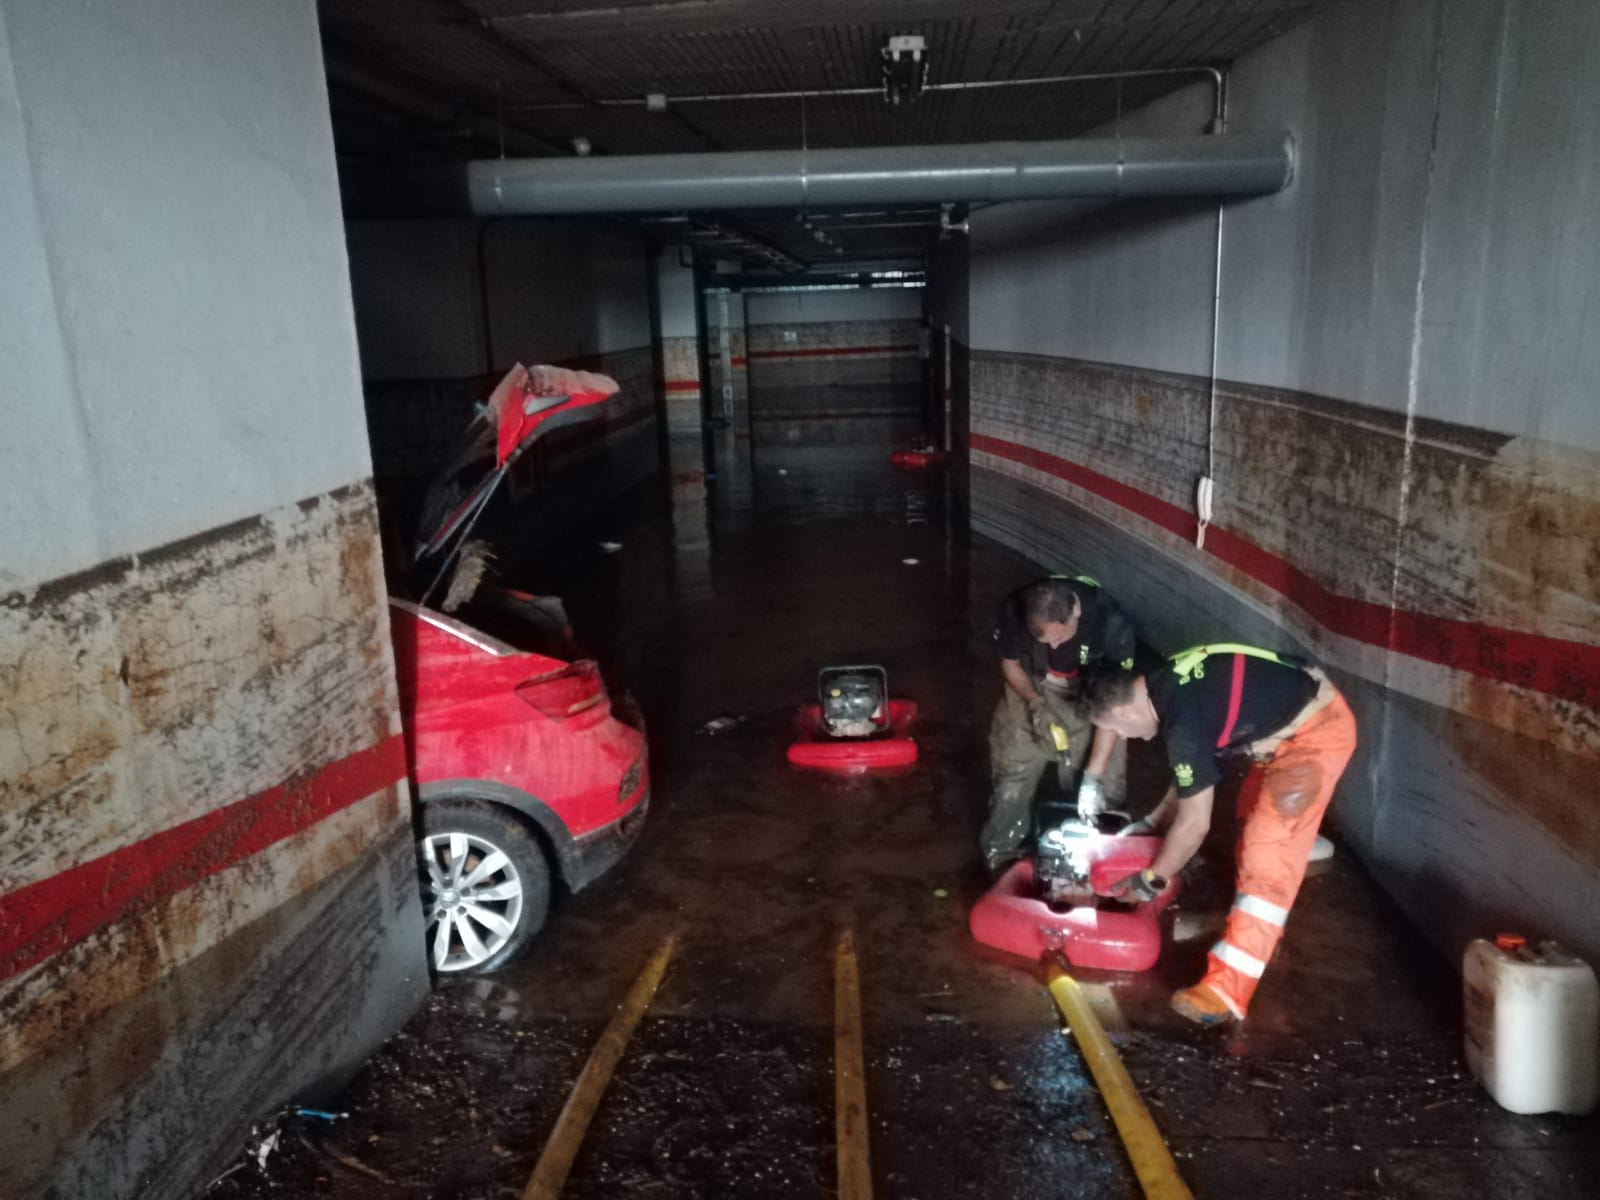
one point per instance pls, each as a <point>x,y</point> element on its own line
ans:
<point>830,351</point>
<point>683,385</point>
<point>1569,670</point>
<point>841,414</point>
<point>47,917</point>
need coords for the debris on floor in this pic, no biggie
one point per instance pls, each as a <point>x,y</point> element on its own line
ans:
<point>973,1090</point>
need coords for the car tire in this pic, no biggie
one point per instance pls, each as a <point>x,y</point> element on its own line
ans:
<point>485,885</point>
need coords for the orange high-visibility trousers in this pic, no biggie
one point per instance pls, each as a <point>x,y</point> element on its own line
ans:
<point>1281,804</point>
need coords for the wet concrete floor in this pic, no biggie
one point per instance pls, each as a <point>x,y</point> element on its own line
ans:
<point>727,595</point>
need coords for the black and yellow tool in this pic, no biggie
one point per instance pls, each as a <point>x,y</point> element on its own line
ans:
<point>1063,744</point>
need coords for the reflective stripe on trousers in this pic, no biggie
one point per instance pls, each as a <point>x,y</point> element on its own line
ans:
<point>1280,807</point>
<point>1239,960</point>
<point>1257,906</point>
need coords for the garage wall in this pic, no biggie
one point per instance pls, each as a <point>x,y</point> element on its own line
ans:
<point>835,339</point>
<point>1405,437</point>
<point>445,307</point>
<point>207,898</point>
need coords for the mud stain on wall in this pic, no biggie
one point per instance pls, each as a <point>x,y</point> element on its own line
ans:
<point>162,1086</point>
<point>835,354</point>
<point>153,695</point>
<point>187,680</point>
<point>115,963</point>
<point>1496,569</point>
<point>1438,803</point>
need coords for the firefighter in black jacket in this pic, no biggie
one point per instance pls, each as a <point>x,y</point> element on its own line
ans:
<point>1208,704</point>
<point>1048,636</point>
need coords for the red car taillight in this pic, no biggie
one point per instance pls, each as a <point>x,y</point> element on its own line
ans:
<point>565,693</point>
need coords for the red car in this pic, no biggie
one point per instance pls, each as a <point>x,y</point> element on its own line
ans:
<point>523,771</point>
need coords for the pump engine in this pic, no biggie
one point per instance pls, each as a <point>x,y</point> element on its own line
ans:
<point>855,700</point>
<point>1061,854</point>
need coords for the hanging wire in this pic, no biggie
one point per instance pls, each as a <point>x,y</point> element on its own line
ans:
<point>1205,489</point>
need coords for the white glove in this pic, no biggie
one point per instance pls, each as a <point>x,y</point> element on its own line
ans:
<point>1091,798</point>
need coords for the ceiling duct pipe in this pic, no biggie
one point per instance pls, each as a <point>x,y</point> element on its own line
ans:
<point>1230,164</point>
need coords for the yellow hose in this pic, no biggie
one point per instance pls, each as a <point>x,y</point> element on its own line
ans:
<point>1152,1163</point>
<point>849,1073</point>
<point>550,1173</point>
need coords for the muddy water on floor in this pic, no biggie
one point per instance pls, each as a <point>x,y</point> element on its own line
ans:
<point>735,582</point>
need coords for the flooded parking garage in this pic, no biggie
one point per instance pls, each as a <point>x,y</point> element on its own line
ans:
<point>1347,1080</point>
<point>1273,317</point>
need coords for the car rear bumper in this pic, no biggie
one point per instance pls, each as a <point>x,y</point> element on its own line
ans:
<point>593,854</point>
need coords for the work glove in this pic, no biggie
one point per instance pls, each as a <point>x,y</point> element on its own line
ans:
<point>1142,886</point>
<point>1091,798</point>
<point>1139,828</point>
<point>1041,720</point>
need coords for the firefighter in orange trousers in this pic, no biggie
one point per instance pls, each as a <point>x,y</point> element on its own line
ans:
<point>1230,699</point>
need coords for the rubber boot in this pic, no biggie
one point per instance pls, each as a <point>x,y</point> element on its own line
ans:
<point>1202,1006</point>
<point>1010,819</point>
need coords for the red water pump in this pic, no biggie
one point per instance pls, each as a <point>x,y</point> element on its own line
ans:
<point>1071,910</point>
<point>923,452</point>
<point>854,727</point>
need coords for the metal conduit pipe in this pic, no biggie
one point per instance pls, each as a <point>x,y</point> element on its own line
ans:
<point>1199,165</point>
<point>958,85</point>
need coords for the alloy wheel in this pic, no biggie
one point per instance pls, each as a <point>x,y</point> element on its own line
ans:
<point>473,897</point>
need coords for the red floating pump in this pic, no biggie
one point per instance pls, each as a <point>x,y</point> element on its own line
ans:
<point>919,458</point>
<point>1010,916</point>
<point>923,452</point>
<point>854,727</point>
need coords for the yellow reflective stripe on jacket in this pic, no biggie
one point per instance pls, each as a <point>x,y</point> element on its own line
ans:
<point>1185,662</point>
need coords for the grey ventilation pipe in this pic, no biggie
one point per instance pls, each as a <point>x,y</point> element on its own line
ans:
<point>1232,164</point>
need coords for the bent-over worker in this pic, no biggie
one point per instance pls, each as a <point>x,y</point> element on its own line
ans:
<point>1228,699</point>
<point>1049,635</point>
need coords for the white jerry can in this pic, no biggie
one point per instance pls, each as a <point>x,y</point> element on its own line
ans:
<point>1532,1025</point>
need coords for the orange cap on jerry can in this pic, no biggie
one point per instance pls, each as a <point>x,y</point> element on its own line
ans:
<point>1510,941</point>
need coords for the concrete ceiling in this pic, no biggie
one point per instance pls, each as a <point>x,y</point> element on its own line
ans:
<point>417,81</point>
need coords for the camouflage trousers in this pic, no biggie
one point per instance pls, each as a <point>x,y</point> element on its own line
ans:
<point>1017,761</point>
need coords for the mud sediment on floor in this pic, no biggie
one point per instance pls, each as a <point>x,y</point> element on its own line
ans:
<point>1347,1081</point>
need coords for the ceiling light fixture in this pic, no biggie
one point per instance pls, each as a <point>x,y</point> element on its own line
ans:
<point>905,67</point>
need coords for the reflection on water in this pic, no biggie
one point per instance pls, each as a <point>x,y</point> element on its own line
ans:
<point>806,455</point>
<point>844,473</point>
<point>781,553</point>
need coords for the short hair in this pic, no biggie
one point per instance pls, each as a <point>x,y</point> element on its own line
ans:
<point>1045,602</point>
<point>1107,690</point>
